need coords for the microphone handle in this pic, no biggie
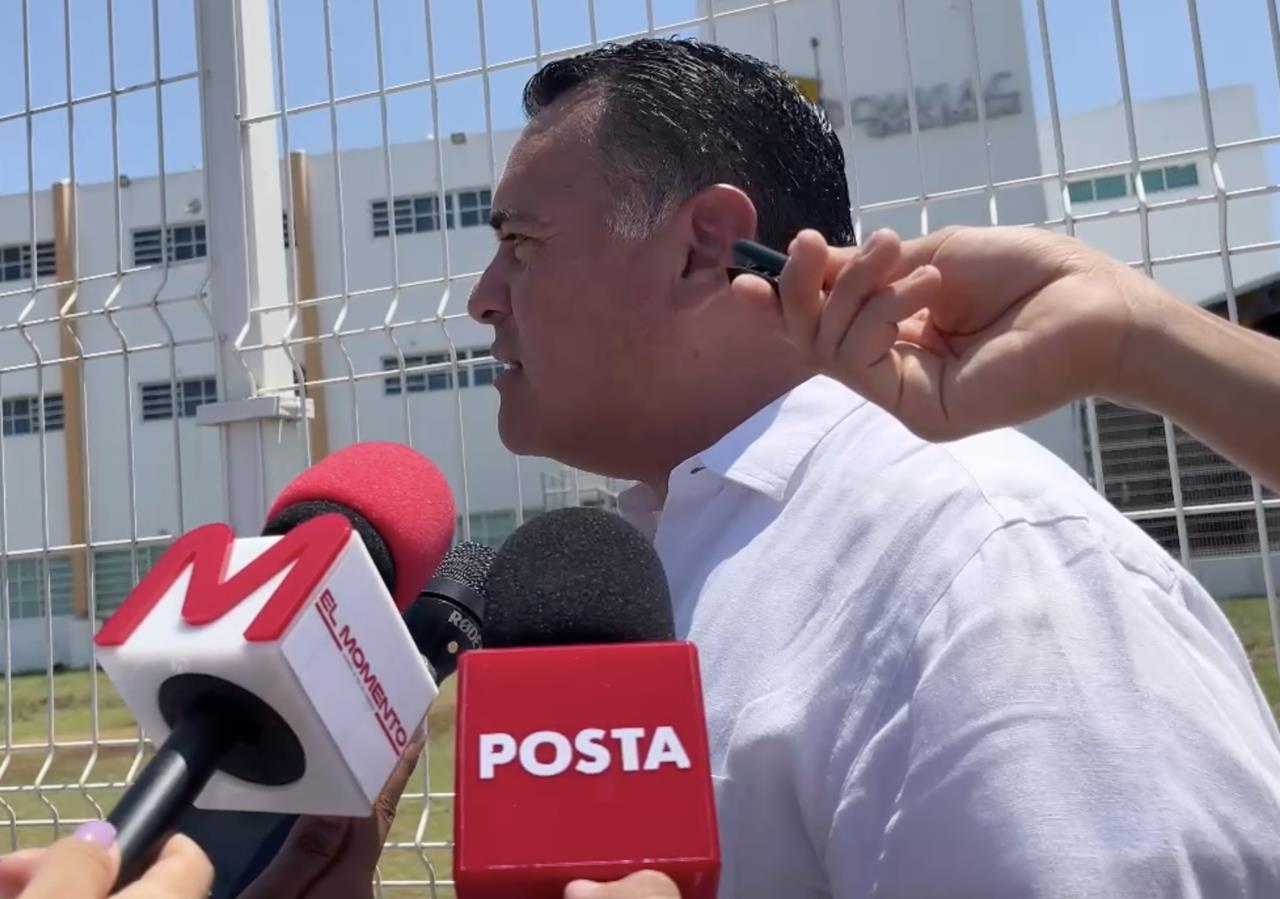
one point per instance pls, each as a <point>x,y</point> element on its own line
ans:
<point>148,812</point>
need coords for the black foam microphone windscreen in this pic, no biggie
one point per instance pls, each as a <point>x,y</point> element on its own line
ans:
<point>577,576</point>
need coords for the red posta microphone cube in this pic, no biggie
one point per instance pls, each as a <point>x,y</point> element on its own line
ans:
<point>585,761</point>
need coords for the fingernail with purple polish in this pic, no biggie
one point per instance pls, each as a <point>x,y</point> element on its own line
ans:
<point>103,833</point>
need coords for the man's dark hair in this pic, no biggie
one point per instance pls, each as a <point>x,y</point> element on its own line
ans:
<point>679,115</point>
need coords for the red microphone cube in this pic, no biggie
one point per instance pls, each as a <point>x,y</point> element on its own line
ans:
<point>582,761</point>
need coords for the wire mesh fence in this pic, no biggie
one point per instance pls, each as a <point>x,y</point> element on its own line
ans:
<point>235,236</point>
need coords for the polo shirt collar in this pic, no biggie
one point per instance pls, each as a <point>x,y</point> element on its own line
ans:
<point>764,452</point>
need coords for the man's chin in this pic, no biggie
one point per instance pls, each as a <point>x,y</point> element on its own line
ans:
<point>516,431</point>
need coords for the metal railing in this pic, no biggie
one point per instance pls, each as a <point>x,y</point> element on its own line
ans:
<point>150,160</point>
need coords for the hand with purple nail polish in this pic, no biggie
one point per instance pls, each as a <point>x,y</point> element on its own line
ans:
<point>84,866</point>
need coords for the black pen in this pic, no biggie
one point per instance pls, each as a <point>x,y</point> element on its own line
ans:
<point>757,257</point>
<point>751,258</point>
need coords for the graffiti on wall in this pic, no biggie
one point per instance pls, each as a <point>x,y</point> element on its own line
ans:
<point>937,106</point>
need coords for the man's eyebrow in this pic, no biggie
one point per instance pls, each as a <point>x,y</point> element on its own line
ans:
<point>501,217</point>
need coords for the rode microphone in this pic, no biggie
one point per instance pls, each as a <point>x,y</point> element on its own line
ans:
<point>275,671</point>
<point>446,618</point>
<point>581,742</point>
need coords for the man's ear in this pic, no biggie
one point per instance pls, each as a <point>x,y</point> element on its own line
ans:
<point>712,220</point>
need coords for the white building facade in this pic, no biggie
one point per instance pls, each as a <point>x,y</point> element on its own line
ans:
<point>395,239</point>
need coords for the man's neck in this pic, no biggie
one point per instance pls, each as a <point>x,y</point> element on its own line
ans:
<point>716,422</point>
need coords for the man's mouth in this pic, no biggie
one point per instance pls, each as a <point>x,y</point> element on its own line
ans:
<point>508,364</point>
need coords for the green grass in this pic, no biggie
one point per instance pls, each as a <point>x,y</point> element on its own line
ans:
<point>26,817</point>
<point>1249,618</point>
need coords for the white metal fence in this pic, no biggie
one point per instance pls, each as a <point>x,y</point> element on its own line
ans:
<point>170,355</point>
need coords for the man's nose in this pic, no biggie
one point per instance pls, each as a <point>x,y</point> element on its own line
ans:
<point>490,300</point>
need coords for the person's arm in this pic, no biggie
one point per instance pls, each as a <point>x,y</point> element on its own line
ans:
<point>1068,723</point>
<point>970,329</point>
<point>329,857</point>
<point>1219,381</point>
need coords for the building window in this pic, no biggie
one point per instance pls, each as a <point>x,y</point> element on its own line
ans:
<point>1179,176</point>
<point>409,381</point>
<point>413,215</point>
<point>157,398</point>
<point>1110,187</point>
<point>1137,477</point>
<point>28,590</point>
<point>420,381</point>
<point>1080,191</point>
<point>21,414</point>
<point>147,247</point>
<point>1173,177</point>
<point>1155,180</point>
<point>489,528</point>
<point>420,214</point>
<point>15,261</point>
<point>480,375</point>
<point>185,242</point>
<point>492,528</point>
<point>113,575</point>
<point>474,207</point>
<point>381,224</point>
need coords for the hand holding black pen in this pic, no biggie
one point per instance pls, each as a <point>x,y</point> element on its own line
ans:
<point>969,329</point>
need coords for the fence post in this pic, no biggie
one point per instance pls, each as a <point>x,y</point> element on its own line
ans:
<point>257,411</point>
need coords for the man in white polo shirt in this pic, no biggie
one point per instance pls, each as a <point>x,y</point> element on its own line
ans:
<point>930,669</point>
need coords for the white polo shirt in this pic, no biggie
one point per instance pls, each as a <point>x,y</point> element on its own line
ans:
<point>955,670</point>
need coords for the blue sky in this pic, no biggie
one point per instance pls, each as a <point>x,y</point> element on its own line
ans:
<point>1236,35</point>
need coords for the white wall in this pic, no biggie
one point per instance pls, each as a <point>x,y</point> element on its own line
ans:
<point>1170,125</point>
<point>1235,577</point>
<point>30,640</point>
<point>1099,137</point>
<point>131,326</point>
<point>885,160</point>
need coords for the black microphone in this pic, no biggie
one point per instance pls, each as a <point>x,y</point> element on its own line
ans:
<point>446,618</point>
<point>581,738</point>
<point>577,576</point>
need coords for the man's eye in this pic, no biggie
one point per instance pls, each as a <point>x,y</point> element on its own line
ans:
<point>515,242</point>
